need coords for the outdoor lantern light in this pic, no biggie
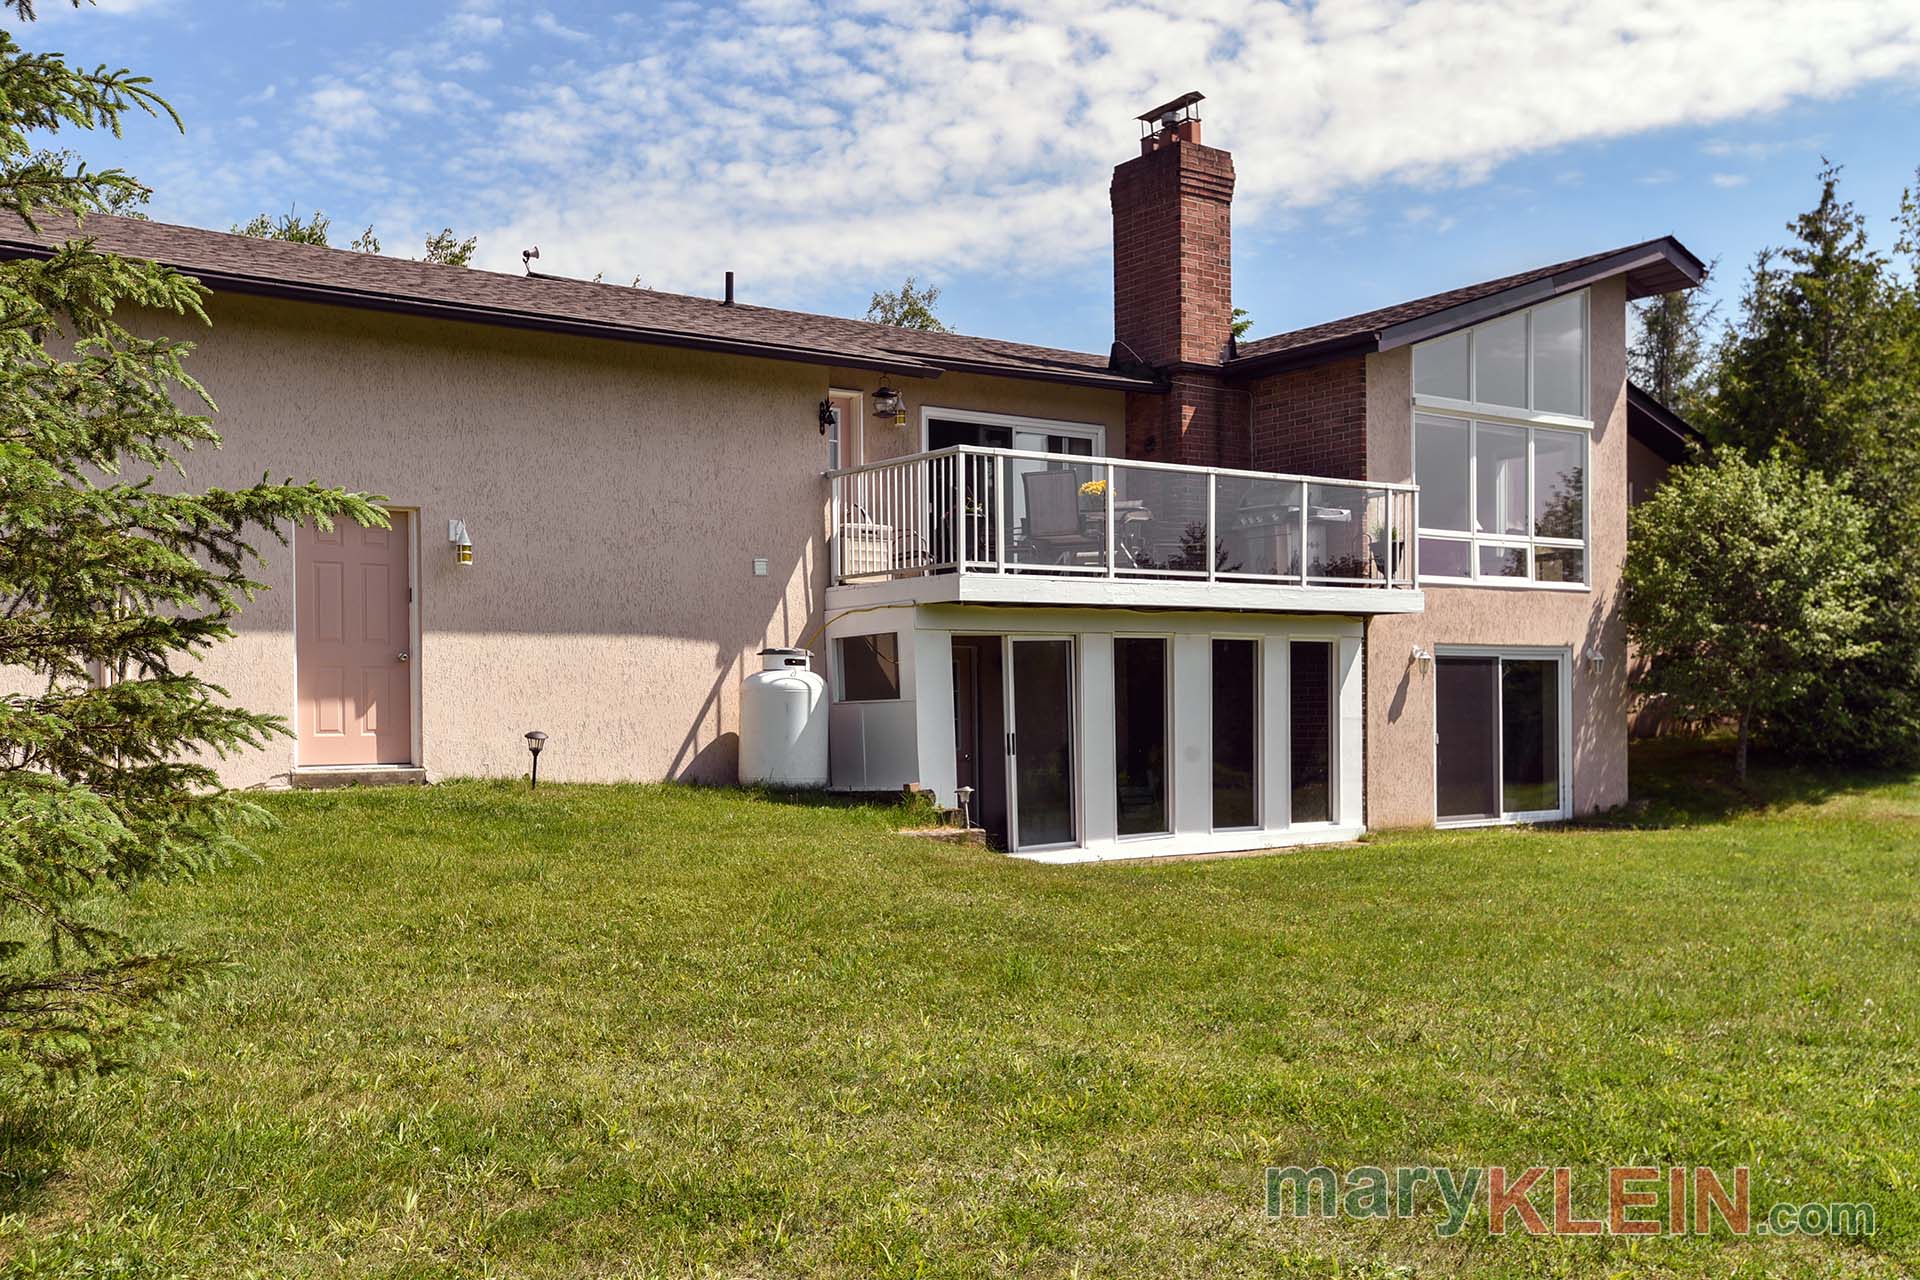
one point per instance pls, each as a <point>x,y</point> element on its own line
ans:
<point>462,544</point>
<point>829,416</point>
<point>888,403</point>
<point>1422,657</point>
<point>535,741</point>
<point>966,807</point>
<point>1596,659</point>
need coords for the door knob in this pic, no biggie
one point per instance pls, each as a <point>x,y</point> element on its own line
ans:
<point>403,655</point>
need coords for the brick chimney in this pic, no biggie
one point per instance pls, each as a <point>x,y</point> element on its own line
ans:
<point>1173,287</point>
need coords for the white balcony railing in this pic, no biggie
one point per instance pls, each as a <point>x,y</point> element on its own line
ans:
<point>968,510</point>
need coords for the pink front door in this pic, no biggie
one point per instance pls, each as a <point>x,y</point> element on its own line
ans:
<point>352,640</point>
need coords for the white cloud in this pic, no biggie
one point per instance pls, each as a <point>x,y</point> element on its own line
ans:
<point>475,26</point>
<point>799,141</point>
<point>547,24</point>
<point>1727,181</point>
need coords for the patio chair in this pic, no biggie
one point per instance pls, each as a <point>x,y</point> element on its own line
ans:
<point>1053,518</point>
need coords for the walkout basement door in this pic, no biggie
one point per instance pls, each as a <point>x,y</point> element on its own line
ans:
<point>1501,749</point>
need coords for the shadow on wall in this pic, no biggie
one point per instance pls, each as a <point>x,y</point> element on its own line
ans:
<point>708,753</point>
<point>1600,716</point>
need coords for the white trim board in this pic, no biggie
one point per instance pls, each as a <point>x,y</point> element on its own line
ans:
<point>1094,431</point>
<point>1134,593</point>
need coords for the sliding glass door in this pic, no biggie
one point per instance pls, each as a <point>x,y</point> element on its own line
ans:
<point>1500,745</point>
<point>1140,725</point>
<point>1310,724</point>
<point>1236,734</point>
<point>1040,741</point>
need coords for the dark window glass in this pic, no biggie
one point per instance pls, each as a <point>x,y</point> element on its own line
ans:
<point>1445,558</point>
<point>1466,702</point>
<point>869,667</point>
<point>1236,733</point>
<point>1043,741</point>
<point>1310,712</point>
<point>1140,734</point>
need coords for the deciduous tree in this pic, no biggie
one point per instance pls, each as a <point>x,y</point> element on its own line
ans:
<point>1743,581</point>
<point>909,307</point>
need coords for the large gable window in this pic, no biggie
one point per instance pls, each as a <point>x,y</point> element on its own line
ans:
<point>1500,449</point>
<point>1500,503</point>
<point>1530,362</point>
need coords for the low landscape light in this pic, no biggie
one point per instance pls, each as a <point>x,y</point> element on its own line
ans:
<point>535,741</point>
<point>966,807</point>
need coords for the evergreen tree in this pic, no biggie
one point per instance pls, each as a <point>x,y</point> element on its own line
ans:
<point>1823,367</point>
<point>1668,356</point>
<point>112,582</point>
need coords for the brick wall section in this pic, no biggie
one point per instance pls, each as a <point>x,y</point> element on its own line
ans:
<point>1173,253</point>
<point>1200,421</point>
<point>1312,421</point>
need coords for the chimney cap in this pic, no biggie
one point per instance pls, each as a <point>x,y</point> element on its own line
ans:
<point>1182,103</point>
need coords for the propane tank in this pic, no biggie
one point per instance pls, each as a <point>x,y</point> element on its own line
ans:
<point>783,722</point>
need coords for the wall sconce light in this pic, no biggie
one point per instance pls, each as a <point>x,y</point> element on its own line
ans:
<point>535,741</point>
<point>1596,659</point>
<point>829,416</point>
<point>888,403</point>
<point>462,544</point>
<point>1424,658</point>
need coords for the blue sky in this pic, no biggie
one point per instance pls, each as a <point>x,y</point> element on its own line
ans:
<point>825,148</point>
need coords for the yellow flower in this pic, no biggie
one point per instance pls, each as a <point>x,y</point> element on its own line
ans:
<point>1093,489</point>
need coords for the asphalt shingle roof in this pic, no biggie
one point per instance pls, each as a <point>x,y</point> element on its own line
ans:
<point>1368,323</point>
<point>249,264</point>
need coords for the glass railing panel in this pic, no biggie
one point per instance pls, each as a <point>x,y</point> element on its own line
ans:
<point>1055,513</point>
<point>1160,522</point>
<point>1260,530</point>
<point>1340,549</point>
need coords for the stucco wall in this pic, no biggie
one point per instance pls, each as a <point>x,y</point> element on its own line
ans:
<point>1400,695</point>
<point>1015,397</point>
<point>616,494</point>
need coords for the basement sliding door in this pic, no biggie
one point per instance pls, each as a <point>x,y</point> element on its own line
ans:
<point>1040,741</point>
<point>1500,737</point>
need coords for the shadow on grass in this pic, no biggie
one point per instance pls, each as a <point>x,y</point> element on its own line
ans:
<point>33,1141</point>
<point>892,805</point>
<point>1687,781</point>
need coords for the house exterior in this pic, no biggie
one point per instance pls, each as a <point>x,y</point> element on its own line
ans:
<point>1189,595</point>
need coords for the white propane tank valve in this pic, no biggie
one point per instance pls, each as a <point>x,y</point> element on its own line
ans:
<point>783,722</point>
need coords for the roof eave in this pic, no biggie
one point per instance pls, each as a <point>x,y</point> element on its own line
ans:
<point>256,286</point>
<point>1659,266</point>
<point>1102,380</point>
<point>1659,428</point>
<point>1304,356</point>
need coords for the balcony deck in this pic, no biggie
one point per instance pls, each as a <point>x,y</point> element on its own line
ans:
<point>970,525</point>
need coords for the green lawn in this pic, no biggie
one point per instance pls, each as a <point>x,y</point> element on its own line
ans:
<point>660,1030</point>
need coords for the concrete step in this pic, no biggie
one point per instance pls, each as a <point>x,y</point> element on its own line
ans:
<point>314,778</point>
